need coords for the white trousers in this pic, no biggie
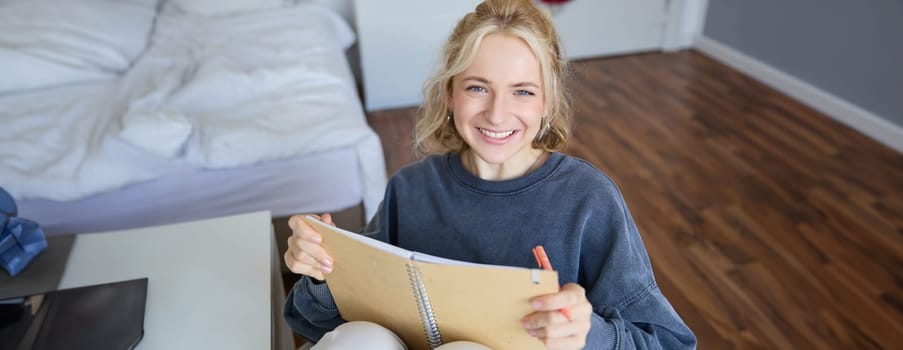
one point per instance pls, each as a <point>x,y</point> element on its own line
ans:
<point>368,335</point>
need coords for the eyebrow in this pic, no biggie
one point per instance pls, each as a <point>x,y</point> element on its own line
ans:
<point>525,84</point>
<point>487,82</point>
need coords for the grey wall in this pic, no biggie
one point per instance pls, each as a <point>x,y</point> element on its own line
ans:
<point>852,49</point>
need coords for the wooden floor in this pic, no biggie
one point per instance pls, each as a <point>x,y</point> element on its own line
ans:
<point>770,226</point>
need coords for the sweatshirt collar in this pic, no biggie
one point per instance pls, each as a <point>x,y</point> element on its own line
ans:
<point>504,187</point>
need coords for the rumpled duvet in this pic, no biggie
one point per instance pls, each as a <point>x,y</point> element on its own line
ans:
<point>206,92</point>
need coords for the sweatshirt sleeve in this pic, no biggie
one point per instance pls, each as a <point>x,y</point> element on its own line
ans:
<point>310,309</point>
<point>650,323</point>
<point>630,312</point>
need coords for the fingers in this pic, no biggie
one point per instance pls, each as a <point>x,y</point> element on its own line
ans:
<point>556,331</point>
<point>570,294</point>
<point>549,324</point>
<point>305,255</point>
<point>327,218</point>
<point>569,342</point>
<point>303,229</point>
<point>545,323</point>
<point>301,248</point>
<point>300,267</point>
<point>313,253</point>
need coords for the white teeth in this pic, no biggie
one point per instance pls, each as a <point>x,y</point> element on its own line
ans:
<point>497,135</point>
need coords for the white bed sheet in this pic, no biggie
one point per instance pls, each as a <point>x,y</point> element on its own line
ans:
<point>284,187</point>
<point>255,88</point>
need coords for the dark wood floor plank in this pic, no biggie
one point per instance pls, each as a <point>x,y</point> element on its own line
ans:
<point>769,225</point>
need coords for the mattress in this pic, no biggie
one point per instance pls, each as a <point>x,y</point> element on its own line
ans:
<point>284,187</point>
<point>208,93</point>
<point>274,119</point>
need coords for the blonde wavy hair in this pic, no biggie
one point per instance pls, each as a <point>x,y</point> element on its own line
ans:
<point>434,134</point>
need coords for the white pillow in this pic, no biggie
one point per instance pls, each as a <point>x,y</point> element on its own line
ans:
<point>44,43</point>
<point>211,8</point>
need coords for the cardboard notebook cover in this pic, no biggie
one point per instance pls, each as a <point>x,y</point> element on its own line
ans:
<point>378,282</point>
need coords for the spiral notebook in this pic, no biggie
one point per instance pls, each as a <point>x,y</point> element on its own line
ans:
<point>428,300</point>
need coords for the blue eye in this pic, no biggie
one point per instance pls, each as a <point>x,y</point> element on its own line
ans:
<point>476,88</point>
<point>523,93</point>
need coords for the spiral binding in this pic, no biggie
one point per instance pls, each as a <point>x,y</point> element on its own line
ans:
<point>428,318</point>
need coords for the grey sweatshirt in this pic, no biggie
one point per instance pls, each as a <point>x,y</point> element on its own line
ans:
<point>576,212</point>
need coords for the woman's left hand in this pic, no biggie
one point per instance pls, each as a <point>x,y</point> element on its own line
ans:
<point>551,326</point>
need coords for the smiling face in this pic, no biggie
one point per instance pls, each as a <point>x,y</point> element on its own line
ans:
<point>498,104</point>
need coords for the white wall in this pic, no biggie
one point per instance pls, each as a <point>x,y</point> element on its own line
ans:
<point>400,40</point>
<point>343,7</point>
<point>608,27</point>
<point>685,19</point>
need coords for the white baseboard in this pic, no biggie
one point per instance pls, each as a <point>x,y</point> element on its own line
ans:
<point>845,112</point>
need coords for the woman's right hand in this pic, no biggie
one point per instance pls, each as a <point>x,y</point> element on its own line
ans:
<point>305,255</point>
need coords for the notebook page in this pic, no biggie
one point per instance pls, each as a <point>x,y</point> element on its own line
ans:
<point>375,243</point>
<point>417,256</point>
<point>432,259</point>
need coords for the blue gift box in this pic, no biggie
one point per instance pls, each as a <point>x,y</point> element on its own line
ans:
<point>20,239</point>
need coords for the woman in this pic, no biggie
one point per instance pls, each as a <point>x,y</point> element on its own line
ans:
<point>494,185</point>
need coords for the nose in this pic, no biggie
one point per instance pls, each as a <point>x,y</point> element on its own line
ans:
<point>498,110</point>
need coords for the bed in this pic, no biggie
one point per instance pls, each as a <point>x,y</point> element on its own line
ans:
<point>121,114</point>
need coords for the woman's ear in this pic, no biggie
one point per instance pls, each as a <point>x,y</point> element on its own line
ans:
<point>451,88</point>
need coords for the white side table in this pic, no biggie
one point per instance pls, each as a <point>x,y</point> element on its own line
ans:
<point>212,284</point>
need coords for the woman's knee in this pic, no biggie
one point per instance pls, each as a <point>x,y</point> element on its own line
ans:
<point>360,335</point>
